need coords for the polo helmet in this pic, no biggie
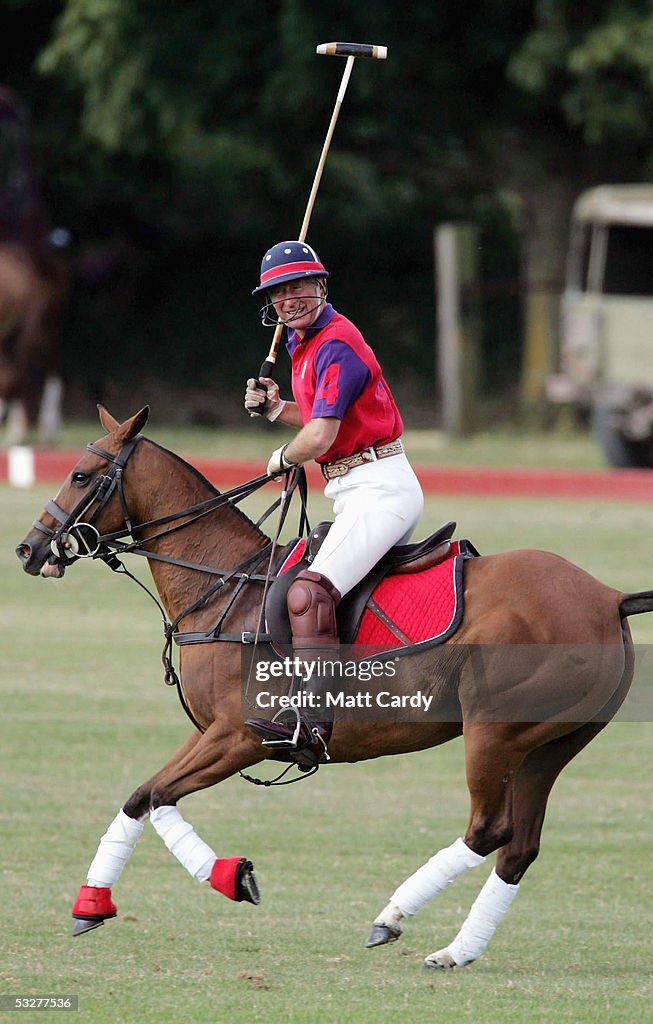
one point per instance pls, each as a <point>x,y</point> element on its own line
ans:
<point>289,261</point>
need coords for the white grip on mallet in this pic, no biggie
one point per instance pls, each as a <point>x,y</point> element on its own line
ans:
<point>353,50</point>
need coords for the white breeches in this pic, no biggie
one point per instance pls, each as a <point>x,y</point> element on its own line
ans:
<point>375,506</point>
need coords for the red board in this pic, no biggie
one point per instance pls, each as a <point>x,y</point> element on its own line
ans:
<point>603,484</point>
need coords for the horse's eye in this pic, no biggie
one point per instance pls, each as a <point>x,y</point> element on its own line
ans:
<point>81,479</point>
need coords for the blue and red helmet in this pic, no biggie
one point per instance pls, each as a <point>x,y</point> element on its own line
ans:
<point>289,261</point>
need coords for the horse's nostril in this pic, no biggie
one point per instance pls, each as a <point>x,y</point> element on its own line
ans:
<point>24,552</point>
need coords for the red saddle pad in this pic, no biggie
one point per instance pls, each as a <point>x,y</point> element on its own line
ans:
<point>415,608</point>
<point>410,609</point>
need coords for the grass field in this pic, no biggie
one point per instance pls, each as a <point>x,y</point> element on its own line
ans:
<point>86,717</point>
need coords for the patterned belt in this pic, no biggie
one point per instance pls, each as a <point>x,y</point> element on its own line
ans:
<point>330,470</point>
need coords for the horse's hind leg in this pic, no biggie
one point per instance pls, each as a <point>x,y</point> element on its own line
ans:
<point>493,756</point>
<point>433,877</point>
<point>530,789</point>
<point>532,786</point>
<point>539,771</point>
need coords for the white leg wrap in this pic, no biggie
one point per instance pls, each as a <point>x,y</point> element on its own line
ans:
<point>480,925</point>
<point>391,917</point>
<point>114,851</point>
<point>437,874</point>
<point>182,840</point>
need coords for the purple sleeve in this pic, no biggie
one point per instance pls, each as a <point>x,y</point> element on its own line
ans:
<point>341,377</point>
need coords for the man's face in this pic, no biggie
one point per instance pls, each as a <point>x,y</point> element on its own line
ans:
<point>298,303</point>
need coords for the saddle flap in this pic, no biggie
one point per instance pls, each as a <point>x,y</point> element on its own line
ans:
<point>300,557</point>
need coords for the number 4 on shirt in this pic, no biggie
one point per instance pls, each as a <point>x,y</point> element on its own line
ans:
<point>328,391</point>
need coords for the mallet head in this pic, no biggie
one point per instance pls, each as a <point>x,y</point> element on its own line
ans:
<point>353,50</point>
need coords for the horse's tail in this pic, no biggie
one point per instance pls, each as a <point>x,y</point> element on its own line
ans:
<point>635,604</point>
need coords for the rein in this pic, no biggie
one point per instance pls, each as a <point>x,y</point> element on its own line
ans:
<point>77,537</point>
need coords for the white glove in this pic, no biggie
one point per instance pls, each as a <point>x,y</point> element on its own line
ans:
<point>256,397</point>
<point>277,463</point>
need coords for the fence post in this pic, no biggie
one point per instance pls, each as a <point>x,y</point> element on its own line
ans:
<point>458,324</point>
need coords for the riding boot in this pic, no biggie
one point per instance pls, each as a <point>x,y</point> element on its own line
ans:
<point>312,601</point>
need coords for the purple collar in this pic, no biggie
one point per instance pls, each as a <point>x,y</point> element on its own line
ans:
<point>325,317</point>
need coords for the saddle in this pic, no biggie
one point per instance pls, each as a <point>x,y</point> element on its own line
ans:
<point>403,560</point>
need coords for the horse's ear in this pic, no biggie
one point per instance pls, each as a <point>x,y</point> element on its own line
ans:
<point>129,428</point>
<point>134,426</point>
<point>107,420</point>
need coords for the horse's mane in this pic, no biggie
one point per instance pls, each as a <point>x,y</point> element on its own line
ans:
<point>235,510</point>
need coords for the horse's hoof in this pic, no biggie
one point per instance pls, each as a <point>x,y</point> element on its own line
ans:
<point>380,934</point>
<point>247,886</point>
<point>91,908</point>
<point>440,961</point>
<point>234,877</point>
<point>86,924</point>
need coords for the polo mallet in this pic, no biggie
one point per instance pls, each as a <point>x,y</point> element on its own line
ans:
<point>351,51</point>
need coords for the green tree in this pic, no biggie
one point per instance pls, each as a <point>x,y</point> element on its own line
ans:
<point>202,123</point>
<point>586,74</point>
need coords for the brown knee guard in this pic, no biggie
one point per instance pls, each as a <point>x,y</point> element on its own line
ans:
<point>312,601</point>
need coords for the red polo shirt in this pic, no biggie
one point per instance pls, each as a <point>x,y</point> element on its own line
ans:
<point>336,374</point>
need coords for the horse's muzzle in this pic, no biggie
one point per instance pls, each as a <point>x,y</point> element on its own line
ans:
<point>36,558</point>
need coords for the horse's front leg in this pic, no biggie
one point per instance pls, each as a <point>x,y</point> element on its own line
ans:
<point>199,764</point>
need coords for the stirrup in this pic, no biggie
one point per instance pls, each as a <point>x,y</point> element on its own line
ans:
<point>289,744</point>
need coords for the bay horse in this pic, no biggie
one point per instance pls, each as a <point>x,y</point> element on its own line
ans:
<point>33,290</point>
<point>34,285</point>
<point>514,601</point>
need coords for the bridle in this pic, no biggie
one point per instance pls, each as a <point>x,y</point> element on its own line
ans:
<point>77,537</point>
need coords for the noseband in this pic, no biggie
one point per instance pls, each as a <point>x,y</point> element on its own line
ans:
<point>78,537</point>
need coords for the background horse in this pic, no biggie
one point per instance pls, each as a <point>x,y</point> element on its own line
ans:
<point>522,723</point>
<point>34,284</point>
<point>33,293</point>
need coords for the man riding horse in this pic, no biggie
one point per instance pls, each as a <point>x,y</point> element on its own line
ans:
<point>348,422</point>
